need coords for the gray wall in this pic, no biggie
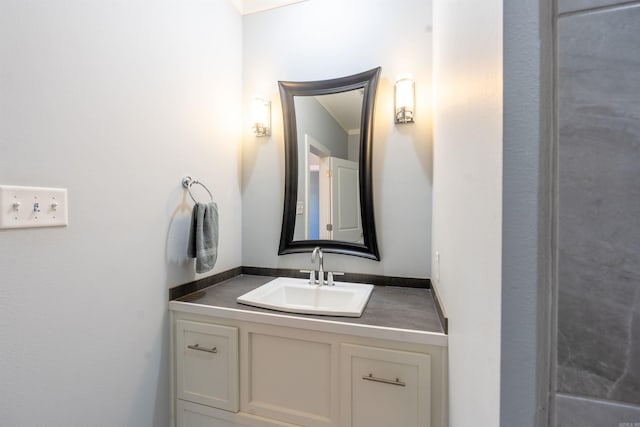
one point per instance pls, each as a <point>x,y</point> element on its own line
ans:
<point>527,203</point>
<point>313,119</point>
<point>354,146</point>
<point>598,340</point>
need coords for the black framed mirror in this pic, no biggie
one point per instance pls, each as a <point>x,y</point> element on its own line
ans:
<point>328,196</point>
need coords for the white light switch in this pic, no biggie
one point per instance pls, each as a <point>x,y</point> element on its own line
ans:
<point>299,208</point>
<point>26,207</point>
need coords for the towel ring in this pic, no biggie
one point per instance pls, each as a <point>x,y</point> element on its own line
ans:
<point>187,182</point>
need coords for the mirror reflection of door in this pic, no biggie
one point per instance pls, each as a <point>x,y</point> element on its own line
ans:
<point>314,153</point>
<point>342,219</point>
<point>332,195</point>
<point>313,232</point>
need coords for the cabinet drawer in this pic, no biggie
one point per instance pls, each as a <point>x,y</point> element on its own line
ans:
<point>382,387</point>
<point>192,415</point>
<point>207,364</point>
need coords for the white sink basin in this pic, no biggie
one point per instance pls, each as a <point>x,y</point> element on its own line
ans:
<point>298,296</point>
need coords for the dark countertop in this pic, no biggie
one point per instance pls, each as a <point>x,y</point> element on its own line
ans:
<point>389,306</point>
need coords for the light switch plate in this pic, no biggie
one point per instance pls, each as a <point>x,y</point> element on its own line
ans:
<point>27,207</point>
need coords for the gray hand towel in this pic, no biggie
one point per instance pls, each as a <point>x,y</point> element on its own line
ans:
<point>203,236</point>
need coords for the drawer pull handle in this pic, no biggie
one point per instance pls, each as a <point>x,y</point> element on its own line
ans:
<point>208,350</point>
<point>397,381</point>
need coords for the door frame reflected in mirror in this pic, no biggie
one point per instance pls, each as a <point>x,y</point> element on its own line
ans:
<point>367,82</point>
<point>313,208</point>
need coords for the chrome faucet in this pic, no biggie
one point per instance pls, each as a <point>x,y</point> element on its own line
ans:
<point>318,251</point>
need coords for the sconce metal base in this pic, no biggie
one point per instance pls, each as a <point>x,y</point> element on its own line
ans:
<point>261,130</point>
<point>404,116</point>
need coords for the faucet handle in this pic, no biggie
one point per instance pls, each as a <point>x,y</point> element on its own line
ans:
<point>330,275</point>
<point>312,276</point>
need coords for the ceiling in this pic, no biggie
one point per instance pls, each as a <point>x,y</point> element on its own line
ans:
<point>345,108</point>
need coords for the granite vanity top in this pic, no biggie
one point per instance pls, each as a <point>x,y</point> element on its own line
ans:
<point>407,310</point>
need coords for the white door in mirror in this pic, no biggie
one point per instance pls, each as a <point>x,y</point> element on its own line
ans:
<point>27,207</point>
<point>346,220</point>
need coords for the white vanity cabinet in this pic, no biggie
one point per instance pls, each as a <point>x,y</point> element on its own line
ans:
<point>307,373</point>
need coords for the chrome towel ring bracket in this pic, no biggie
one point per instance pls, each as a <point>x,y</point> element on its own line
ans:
<point>187,182</point>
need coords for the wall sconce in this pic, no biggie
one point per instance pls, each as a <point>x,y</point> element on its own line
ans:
<point>404,100</point>
<point>261,116</point>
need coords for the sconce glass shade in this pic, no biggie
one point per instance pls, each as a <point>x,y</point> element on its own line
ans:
<point>261,116</point>
<point>404,100</point>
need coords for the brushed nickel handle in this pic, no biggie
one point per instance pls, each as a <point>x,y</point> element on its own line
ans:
<point>330,275</point>
<point>208,350</point>
<point>312,276</point>
<point>397,381</point>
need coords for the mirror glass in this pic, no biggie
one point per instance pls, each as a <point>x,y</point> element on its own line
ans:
<point>328,197</point>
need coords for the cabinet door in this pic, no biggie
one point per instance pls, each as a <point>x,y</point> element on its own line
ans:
<point>382,387</point>
<point>291,377</point>
<point>207,364</point>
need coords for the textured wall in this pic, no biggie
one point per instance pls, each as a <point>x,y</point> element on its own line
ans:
<point>599,202</point>
<point>527,181</point>
<point>467,206</point>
